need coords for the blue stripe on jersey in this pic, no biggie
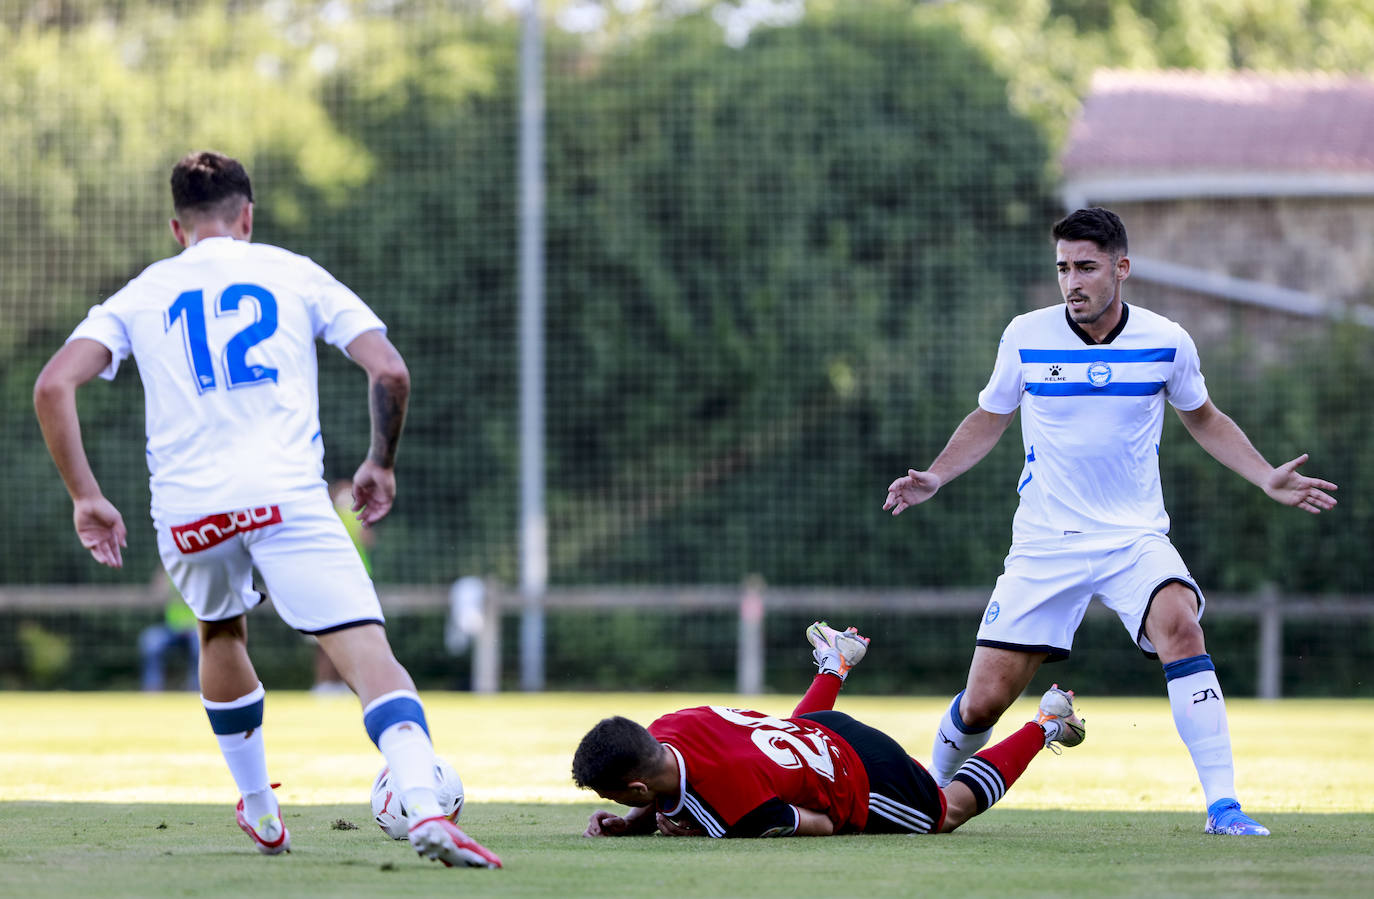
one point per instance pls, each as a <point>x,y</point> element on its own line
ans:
<point>1155,354</point>
<point>1122,388</point>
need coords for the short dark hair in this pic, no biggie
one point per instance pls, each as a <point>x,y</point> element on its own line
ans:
<point>207,184</point>
<point>613,753</point>
<point>1101,226</point>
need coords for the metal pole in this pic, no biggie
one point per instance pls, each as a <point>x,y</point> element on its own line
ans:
<point>534,538</point>
<point>749,657</point>
<point>1270,643</point>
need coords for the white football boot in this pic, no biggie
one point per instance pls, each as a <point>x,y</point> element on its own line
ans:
<point>268,834</point>
<point>1057,719</point>
<point>440,839</point>
<point>836,651</point>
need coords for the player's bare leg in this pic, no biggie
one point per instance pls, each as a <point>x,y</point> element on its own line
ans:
<point>365,661</point>
<point>996,677</point>
<point>1198,705</point>
<point>226,671</point>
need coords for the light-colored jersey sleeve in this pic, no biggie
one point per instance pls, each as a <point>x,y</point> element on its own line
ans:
<point>338,314</point>
<point>1186,388</point>
<point>1002,395</point>
<point>105,326</point>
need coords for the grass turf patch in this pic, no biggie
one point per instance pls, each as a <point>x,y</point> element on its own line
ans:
<point>63,850</point>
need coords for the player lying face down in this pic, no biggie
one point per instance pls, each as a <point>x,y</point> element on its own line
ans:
<point>726,772</point>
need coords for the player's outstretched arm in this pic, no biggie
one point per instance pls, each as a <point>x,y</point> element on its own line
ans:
<point>1223,439</point>
<point>975,437</point>
<point>636,822</point>
<point>98,523</point>
<point>388,391</point>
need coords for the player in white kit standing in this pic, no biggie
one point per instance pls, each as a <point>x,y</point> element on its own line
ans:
<point>224,338</point>
<point>1091,379</point>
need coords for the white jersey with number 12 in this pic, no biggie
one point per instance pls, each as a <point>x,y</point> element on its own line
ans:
<point>224,337</point>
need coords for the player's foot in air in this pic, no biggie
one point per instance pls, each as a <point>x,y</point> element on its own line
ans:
<point>1057,719</point>
<point>836,651</point>
<point>440,839</point>
<point>268,833</point>
<point>1225,816</point>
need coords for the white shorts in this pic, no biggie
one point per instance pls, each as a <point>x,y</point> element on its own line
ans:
<point>1046,587</point>
<point>308,563</point>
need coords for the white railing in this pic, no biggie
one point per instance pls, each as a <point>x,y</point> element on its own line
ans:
<point>751,603</point>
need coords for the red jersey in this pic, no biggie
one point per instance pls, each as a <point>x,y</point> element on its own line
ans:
<point>745,773</point>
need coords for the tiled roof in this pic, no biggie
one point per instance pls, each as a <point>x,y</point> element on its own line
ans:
<point>1182,121</point>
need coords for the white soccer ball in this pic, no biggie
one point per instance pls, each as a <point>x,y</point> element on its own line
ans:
<point>389,812</point>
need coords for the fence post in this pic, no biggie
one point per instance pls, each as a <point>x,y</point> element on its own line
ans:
<point>749,661</point>
<point>486,649</point>
<point>1270,643</point>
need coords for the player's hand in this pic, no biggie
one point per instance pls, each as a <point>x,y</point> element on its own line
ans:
<point>101,529</point>
<point>684,828</point>
<point>606,824</point>
<point>374,490</point>
<point>912,490</point>
<point>1286,486</point>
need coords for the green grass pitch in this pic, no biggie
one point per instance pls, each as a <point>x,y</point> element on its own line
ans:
<point>106,795</point>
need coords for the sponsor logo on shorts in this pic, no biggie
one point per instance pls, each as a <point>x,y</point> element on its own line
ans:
<point>213,530</point>
<point>993,611</point>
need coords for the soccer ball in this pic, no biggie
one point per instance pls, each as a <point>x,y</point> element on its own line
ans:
<point>390,813</point>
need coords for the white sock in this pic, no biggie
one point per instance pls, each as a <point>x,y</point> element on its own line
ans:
<point>1200,716</point>
<point>410,756</point>
<point>954,745</point>
<point>244,751</point>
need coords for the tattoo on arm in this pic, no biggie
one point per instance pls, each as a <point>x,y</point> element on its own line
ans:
<point>388,406</point>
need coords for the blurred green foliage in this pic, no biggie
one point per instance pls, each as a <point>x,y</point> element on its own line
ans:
<point>776,272</point>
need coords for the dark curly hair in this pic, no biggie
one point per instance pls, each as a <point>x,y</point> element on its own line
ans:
<point>1101,226</point>
<point>613,753</point>
<point>207,184</point>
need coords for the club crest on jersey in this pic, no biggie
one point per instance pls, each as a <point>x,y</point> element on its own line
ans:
<point>213,530</point>
<point>1099,374</point>
<point>993,611</point>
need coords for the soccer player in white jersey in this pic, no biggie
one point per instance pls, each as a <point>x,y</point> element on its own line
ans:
<point>1091,379</point>
<point>224,337</point>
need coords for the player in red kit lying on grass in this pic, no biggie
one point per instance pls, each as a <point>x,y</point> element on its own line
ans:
<point>726,772</point>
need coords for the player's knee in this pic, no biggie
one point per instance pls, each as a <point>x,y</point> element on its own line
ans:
<point>1178,639</point>
<point>982,709</point>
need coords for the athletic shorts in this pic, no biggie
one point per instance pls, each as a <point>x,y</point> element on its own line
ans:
<point>902,796</point>
<point>306,559</point>
<point>1046,587</point>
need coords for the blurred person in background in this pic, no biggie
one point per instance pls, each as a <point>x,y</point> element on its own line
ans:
<point>176,631</point>
<point>1091,379</point>
<point>224,338</point>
